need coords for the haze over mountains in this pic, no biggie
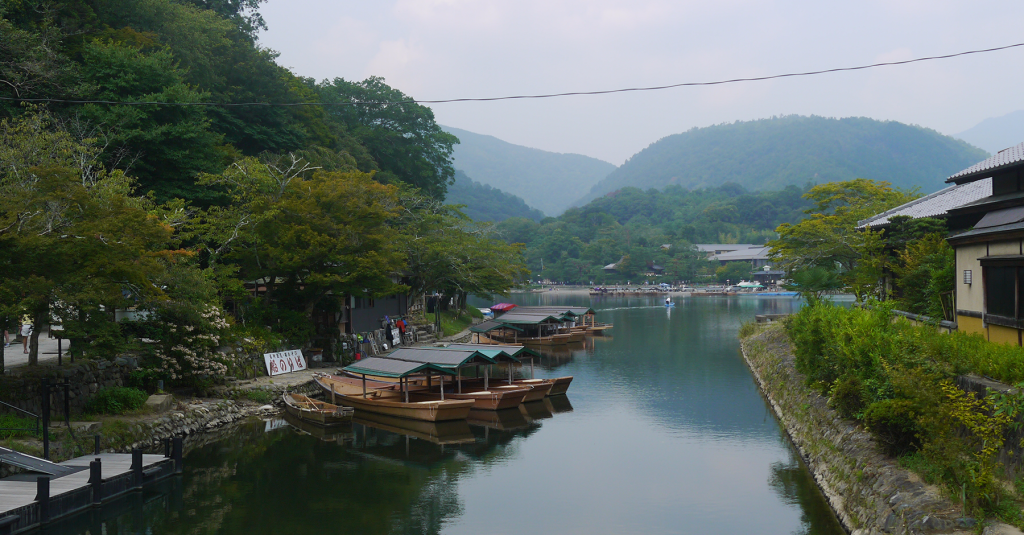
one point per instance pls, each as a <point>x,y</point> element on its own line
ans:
<point>996,133</point>
<point>767,154</point>
<point>548,181</point>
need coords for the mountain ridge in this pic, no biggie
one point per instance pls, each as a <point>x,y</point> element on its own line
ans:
<point>548,181</point>
<point>770,154</point>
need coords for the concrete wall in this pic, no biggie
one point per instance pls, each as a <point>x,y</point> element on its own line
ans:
<point>21,387</point>
<point>970,296</point>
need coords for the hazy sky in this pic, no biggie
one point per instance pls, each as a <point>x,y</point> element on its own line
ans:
<point>435,49</point>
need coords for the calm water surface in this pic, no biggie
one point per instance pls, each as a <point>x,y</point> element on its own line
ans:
<point>663,431</point>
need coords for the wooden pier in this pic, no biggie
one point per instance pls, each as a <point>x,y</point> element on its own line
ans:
<point>50,491</point>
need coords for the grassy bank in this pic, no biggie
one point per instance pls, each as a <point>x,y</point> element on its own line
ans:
<point>456,321</point>
<point>898,380</point>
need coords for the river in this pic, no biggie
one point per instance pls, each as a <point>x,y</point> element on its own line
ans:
<point>663,431</point>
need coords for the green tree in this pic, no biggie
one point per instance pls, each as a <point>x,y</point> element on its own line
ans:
<point>733,272</point>
<point>828,238</point>
<point>76,243</point>
<point>401,136</point>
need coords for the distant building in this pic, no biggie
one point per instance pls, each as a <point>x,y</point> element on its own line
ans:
<point>712,249</point>
<point>757,256</point>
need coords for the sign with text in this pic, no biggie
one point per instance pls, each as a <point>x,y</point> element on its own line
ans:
<point>284,362</point>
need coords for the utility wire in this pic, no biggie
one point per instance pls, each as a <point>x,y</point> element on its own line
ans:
<point>517,97</point>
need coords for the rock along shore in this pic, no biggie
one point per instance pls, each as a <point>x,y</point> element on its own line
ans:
<point>869,492</point>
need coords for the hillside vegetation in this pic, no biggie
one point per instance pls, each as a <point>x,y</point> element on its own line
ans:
<point>484,203</point>
<point>774,153</point>
<point>634,225</point>
<point>548,181</point>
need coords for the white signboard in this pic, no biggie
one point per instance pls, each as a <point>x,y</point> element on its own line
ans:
<point>284,362</point>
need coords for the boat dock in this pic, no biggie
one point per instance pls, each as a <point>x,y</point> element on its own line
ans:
<point>48,491</point>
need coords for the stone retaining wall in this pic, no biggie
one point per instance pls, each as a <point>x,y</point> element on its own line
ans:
<point>21,386</point>
<point>190,420</point>
<point>869,492</point>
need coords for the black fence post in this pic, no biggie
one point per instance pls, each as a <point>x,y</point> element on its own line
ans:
<point>167,447</point>
<point>44,390</point>
<point>137,468</point>
<point>176,453</point>
<point>96,480</point>
<point>43,498</point>
<point>97,444</point>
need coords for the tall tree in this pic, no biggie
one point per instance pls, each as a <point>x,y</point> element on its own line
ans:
<point>401,136</point>
<point>829,239</point>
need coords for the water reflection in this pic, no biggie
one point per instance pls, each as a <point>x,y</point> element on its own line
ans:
<point>665,432</point>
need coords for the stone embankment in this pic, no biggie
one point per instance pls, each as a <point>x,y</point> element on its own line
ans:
<point>870,493</point>
<point>188,419</point>
<point>21,386</point>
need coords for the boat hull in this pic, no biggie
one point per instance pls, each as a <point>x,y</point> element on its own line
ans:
<point>388,402</point>
<point>316,412</point>
<point>560,386</point>
<point>488,400</point>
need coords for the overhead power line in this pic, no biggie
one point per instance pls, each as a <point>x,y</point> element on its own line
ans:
<point>517,97</point>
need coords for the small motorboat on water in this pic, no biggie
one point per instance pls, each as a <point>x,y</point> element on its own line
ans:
<point>669,303</point>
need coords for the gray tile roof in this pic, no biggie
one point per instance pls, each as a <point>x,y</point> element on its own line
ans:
<point>390,368</point>
<point>712,247</point>
<point>934,205</point>
<point>754,253</point>
<point>440,356</point>
<point>1005,158</point>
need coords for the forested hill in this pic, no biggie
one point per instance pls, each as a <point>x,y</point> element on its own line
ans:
<point>549,181</point>
<point>484,203</point>
<point>771,154</point>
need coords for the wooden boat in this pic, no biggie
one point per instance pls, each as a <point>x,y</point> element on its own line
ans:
<point>599,328</point>
<point>316,412</point>
<point>387,400</point>
<point>560,386</point>
<point>493,399</point>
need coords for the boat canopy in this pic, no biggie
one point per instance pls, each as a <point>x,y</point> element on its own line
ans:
<point>394,368</point>
<point>440,356</point>
<point>513,351</point>
<point>490,325</point>
<point>503,307</point>
<point>529,319</point>
<point>560,311</point>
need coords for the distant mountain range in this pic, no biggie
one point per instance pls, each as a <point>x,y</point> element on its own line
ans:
<point>996,133</point>
<point>770,154</point>
<point>484,203</point>
<point>548,181</point>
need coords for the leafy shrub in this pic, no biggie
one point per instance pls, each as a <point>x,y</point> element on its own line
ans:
<point>893,422</point>
<point>16,426</point>
<point>848,396</point>
<point>259,396</point>
<point>116,400</point>
<point>145,379</point>
<point>747,329</point>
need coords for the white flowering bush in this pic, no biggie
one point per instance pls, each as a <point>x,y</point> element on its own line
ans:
<point>185,350</point>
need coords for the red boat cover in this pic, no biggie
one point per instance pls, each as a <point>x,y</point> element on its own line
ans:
<point>503,307</point>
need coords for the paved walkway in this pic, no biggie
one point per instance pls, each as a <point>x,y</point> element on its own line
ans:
<point>13,355</point>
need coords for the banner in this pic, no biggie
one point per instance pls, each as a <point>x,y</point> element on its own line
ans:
<point>284,362</point>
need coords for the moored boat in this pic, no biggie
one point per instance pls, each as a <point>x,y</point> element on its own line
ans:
<point>560,385</point>
<point>312,411</point>
<point>494,399</point>
<point>391,399</point>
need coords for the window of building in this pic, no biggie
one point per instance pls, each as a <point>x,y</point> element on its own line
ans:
<point>1001,291</point>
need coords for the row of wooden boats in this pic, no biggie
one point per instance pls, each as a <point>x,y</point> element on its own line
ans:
<point>411,383</point>
<point>538,325</point>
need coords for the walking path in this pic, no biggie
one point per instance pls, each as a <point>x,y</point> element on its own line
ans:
<point>14,355</point>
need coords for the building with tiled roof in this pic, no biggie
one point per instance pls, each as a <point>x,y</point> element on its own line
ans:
<point>936,205</point>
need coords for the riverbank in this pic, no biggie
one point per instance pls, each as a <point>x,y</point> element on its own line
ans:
<point>868,491</point>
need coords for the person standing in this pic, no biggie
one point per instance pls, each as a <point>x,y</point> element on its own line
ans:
<point>26,331</point>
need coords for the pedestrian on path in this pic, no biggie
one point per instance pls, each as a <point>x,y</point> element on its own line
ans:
<point>7,338</point>
<point>26,331</point>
